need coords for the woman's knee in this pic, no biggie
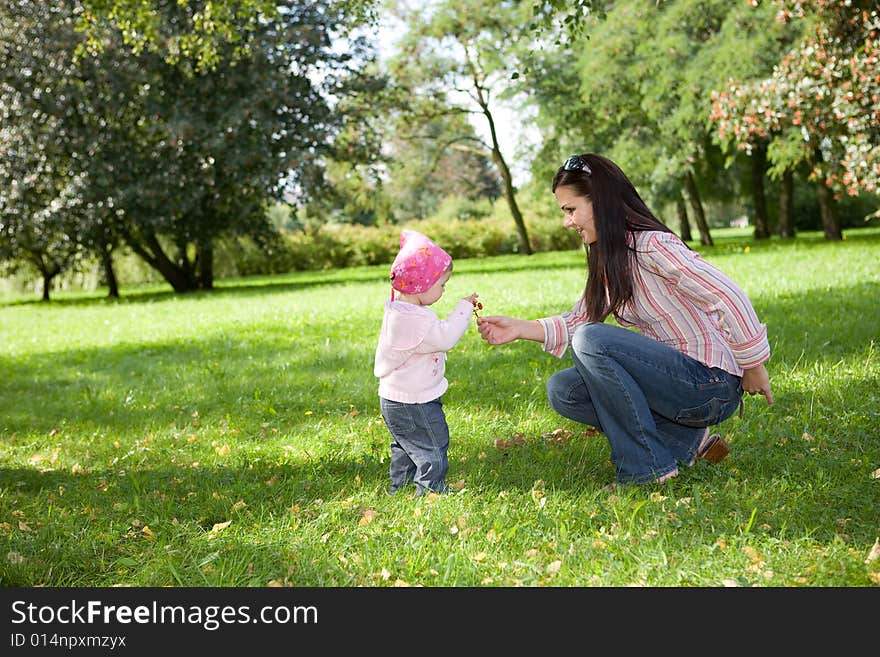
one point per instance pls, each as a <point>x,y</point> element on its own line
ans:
<point>590,339</point>
<point>559,387</point>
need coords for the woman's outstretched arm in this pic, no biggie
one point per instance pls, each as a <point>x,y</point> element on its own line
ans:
<point>500,329</point>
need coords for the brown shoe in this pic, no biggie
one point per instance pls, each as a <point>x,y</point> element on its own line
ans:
<point>715,449</point>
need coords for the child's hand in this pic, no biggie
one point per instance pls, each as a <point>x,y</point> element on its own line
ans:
<point>476,304</point>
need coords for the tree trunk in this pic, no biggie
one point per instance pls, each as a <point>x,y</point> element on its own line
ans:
<point>150,250</point>
<point>205,260</point>
<point>690,186</point>
<point>759,198</point>
<point>510,196</point>
<point>48,270</point>
<point>786,199</point>
<point>109,274</point>
<point>830,223</point>
<point>497,158</point>
<point>47,285</point>
<point>683,222</point>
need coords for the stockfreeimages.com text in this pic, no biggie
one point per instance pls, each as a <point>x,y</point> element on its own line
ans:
<point>210,617</point>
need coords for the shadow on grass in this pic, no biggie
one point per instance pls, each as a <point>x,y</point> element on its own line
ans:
<point>88,527</point>
<point>137,388</point>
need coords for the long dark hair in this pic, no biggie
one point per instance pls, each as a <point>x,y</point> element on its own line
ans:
<point>617,210</point>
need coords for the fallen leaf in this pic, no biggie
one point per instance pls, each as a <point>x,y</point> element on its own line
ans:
<point>23,526</point>
<point>275,583</point>
<point>875,551</point>
<point>458,485</point>
<point>368,516</point>
<point>147,531</point>
<point>220,526</point>
<point>876,474</point>
<point>222,450</point>
<point>751,553</point>
<point>554,566</point>
<point>559,436</point>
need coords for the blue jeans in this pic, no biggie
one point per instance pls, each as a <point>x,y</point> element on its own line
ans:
<point>419,443</point>
<point>652,402</point>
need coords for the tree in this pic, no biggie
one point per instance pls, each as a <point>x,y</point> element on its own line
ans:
<point>646,73</point>
<point>820,106</point>
<point>39,201</point>
<point>452,63</point>
<point>200,36</point>
<point>176,157</point>
<point>42,209</point>
<point>425,168</point>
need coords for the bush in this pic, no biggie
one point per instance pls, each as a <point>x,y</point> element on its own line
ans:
<point>336,246</point>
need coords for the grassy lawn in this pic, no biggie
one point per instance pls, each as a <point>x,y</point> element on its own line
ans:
<point>234,439</point>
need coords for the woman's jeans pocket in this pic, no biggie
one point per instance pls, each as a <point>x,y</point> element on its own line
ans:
<point>722,397</point>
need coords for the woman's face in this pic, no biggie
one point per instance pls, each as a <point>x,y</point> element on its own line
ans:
<point>578,213</point>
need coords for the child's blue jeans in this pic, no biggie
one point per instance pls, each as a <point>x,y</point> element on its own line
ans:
<point>419,443</point>
<point>652,402</point>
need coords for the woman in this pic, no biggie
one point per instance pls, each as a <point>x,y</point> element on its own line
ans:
<point>653,393</point>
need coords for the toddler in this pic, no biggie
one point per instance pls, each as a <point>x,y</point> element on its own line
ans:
<point>411,363</point>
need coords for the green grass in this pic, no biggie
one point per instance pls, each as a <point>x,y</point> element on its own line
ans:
<point>234,439</point>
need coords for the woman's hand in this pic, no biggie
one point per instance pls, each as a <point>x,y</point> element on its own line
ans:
<point>500,329</point>
<point>756,381</point>
<point>497,329</point>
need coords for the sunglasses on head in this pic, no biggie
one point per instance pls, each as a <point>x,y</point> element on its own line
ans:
<point>577,163</point>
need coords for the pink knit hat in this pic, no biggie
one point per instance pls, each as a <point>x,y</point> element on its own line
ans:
<point>419,264</point>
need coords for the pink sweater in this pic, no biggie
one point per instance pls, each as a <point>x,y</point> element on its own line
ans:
<point>411,354</point>
<point>681,300</point>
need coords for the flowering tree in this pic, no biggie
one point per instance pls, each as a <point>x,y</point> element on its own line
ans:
<point>820,106</point>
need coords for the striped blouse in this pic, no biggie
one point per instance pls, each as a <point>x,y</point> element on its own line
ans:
<point>681,300</point>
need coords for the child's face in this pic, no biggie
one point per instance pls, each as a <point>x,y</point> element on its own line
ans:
<point>434,293</point>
